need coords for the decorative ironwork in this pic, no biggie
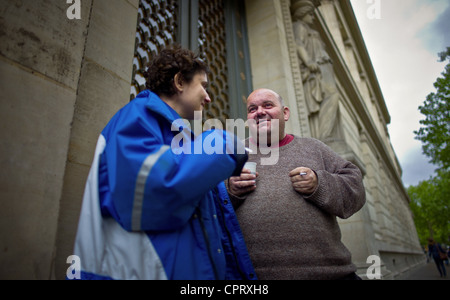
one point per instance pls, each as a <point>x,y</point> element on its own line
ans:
<point>212,48</point>
<point>156,29</point>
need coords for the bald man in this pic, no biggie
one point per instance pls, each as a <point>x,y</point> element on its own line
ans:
<point>287,210</point>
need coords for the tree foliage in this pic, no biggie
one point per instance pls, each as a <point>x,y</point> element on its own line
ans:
<point>436,108</point>
<point>430,199</point>
<point>430,205</point>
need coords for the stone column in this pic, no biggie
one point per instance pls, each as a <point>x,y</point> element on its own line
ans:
<point>41,51</point>
<point>104,87</point>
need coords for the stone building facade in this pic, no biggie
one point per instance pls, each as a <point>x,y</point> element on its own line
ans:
<point>66,68</point>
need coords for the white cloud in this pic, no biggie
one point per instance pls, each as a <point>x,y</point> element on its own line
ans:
<point>416,167</point>
<point>440,40</point>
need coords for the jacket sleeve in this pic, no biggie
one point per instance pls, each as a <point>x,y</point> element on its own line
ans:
<point>149,187</point>
<point>340,189</point>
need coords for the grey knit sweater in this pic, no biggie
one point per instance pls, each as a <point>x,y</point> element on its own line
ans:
<point>292,236</point>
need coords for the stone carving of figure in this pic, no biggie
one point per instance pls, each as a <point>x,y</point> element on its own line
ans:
<point>321,94</point>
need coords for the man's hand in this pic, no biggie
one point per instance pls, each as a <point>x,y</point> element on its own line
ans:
<point>304,180</point>
<point>240,185</point>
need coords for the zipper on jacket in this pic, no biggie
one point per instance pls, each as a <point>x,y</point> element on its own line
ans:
<point>216,191</point>
<point>208,245</point>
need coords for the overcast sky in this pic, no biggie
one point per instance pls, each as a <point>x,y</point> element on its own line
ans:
<point>403,39</point>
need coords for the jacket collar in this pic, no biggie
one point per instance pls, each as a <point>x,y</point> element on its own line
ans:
<point>155,104</point>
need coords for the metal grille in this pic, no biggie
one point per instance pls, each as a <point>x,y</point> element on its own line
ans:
<point>212,48</point>
<point>156,29</point>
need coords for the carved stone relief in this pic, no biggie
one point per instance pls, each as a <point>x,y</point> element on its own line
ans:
<point>319,84</point>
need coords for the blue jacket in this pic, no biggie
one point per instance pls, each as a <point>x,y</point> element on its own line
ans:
<point>151,210</point>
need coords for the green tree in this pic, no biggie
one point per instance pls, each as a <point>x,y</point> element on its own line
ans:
<point>435,135</point>
<point>430,205</point>
<point>430,199</point>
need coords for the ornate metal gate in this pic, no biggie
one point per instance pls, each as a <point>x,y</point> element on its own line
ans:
<point>159,25</point>
<point>156,29</point>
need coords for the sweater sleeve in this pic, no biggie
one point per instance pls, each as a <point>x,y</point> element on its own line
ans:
<point>340,189</point>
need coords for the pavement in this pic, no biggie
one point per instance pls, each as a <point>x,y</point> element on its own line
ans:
<point>427,271</point>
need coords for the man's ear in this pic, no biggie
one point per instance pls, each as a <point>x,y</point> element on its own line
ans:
<point>287,113</point>
<point>178,82</point>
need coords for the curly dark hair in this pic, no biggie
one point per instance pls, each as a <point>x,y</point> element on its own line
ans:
<point>169,62</point>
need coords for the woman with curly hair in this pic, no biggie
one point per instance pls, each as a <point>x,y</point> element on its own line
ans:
<point>150,211</point>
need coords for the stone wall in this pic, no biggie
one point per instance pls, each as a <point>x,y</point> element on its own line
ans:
<point>61,80</point>
<point>103,88</point>
<point>41,55</point>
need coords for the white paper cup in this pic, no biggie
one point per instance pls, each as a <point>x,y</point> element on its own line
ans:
<point>251,166</point>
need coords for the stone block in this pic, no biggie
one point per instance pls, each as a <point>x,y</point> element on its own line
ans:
<point>112,34</point>
<point>101,94</point>
<point>35,122</point>
<point>74,184</point>
<point>38,35</point>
